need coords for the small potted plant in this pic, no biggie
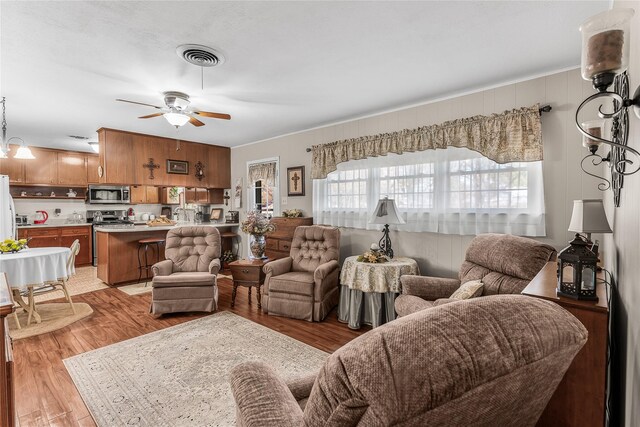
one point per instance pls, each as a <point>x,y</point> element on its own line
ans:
<point>257,226</point>
<point>227,257</point>
<point>292,213</point>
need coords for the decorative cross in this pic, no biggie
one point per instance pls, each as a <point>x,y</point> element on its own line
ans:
<point>151,166</point>
<point>295,178</point>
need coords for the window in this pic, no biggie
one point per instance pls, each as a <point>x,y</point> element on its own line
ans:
<point>452,191</point>
<point>262,178</point>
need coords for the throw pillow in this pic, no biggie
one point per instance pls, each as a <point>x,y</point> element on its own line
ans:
<point>468,290</point>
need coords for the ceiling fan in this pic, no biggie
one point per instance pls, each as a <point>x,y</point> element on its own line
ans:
<point>177,111</point>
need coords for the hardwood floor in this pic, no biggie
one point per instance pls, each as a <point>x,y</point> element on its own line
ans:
<point>45,394</point>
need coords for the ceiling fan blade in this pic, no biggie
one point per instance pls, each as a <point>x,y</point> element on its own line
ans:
<point>213,115</point>
<point>151,115</point>
<point>195,122</point>
<point>139,103</point>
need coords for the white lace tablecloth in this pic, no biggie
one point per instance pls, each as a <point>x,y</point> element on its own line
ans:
<point>383,277</point>
<point>34,266</point>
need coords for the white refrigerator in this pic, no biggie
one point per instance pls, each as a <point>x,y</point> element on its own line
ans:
<point>7,211</point>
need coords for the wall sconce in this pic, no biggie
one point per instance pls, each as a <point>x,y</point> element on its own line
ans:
<point>605,59</point>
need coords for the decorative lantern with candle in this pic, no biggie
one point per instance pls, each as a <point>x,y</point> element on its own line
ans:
<point>577,264</point>
<point>605,46</point>
<point>596,129</point>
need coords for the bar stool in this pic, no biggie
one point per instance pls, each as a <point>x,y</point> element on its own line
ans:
<point>144,244</point>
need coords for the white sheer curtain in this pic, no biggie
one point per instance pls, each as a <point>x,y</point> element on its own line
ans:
<point>451,191</point>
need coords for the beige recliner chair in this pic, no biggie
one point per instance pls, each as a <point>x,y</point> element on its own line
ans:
<point>304,285</point>
<point>186,279</point>
<point>505,264</point>
<point>493,361</point>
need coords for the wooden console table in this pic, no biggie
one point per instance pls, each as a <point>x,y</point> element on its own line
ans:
<point>580,397</point>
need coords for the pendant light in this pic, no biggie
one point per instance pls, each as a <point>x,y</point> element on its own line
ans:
<point>95,146</point>
<point>23,152</point>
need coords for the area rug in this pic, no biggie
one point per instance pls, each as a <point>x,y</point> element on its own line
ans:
<point>85,280</point>
<point>179,376</point>
<point>140,288</point>
<point>54,316</point>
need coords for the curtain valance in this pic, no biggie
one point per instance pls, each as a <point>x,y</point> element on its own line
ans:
<point>263,172</point>
<point>513,136</point>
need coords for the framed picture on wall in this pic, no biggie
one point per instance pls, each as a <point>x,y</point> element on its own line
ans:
<point>295,181</point>
<point>178,166</point>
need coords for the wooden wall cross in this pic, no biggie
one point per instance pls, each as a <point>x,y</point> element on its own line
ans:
<point>151,166</point>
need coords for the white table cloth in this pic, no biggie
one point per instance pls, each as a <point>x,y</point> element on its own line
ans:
<point>34,266</point>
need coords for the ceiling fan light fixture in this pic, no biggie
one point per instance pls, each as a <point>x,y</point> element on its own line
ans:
<point>23,152</point>
<point>95,146</point>
<point>176,119</point>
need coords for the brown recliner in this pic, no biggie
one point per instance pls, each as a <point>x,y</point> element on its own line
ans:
<point>505,263</point>
<point>304,285</point>
<point>186,279</point>
<point>493,361</point>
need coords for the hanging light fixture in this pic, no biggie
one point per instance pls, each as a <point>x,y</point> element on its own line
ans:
<point>176,119</point>
<point>95,146</point>
<point>23,152</point>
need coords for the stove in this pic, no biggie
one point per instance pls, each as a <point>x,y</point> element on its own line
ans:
<point>107,219</point>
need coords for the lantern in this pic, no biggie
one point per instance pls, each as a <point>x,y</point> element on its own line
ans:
<point>577,264</point>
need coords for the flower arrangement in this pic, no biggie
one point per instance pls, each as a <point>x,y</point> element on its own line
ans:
<point>373,256</point>
<point>11,245</point>
<point>292,213</point>
<point>257,224</point>
<point>228,257</point>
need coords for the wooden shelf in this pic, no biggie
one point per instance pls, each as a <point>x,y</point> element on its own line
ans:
<point>48,197</point>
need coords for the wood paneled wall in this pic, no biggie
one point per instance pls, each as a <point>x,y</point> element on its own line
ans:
<point>441,254</point>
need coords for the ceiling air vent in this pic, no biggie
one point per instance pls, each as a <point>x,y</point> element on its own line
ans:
<point>199,55</point>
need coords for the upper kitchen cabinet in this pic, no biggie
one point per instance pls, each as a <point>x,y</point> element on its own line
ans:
<point>72,168</point>
<point>219,166</point>
<point>150,155</point>
<point>117,157</point>
<point>198,153</point>
<point>93,161</point>
<point>43,169</point>
<point>13,167</point>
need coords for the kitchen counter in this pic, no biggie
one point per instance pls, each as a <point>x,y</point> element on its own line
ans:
<point>83,224</point>
<point>143,228</point>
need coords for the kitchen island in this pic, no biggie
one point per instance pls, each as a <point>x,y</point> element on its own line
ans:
<point>117,249</point>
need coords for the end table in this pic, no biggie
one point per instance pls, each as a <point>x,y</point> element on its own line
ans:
<point>248,272</point>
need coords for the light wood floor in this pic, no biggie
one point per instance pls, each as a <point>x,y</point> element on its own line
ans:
<point>45,394</point>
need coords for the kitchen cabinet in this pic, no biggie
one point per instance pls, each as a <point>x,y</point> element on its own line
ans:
<point>146,148</point>
<point>71,168</point>
<point>144,194</point>
<point>41,237</point>
<point>117,157</point>
<point>219,165</point>
<point>93,161</point>
<point>13,167</point>
<point>197,195</point>
<point>43,169</point>
<point>198,153</point>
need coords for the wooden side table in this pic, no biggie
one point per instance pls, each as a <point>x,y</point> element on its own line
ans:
<point>247,273</point>
<point>580,397</point>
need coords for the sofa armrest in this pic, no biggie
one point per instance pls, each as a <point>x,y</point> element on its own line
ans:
<point>262,398</point>
<point>278,267</point>
<point>325,270</point>
<point>162,268</point>
<point>429,288</point>
<point>214,266</point>
<point>300,388</point>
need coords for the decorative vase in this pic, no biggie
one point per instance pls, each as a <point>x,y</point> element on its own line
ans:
<point>257,246</point>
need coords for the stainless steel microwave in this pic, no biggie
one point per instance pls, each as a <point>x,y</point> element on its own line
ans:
<point>109,194</point>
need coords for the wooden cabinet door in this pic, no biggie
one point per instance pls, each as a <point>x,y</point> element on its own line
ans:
<point>146,148</point>
<point>40,241</point>
<point>176,151</point>
<point>84,256</point>
<point>138,194</point>
<point>72,168</point>
<point>190,195</point>
<point>13,167</point>
<point>43,169</point>
<point>197,153</point>
<point>202,196</point>
<point>152,194</point>
<point>220,167</point>
<point>119,157</point>
<point>93,161</point>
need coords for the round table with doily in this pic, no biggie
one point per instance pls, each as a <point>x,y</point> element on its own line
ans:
<point>368,290</point>
<point>33,267</point>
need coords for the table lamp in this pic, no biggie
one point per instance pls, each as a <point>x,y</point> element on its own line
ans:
<point>386,213</point>
<point>588,217</point>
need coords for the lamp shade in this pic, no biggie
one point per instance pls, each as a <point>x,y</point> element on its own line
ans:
<point>589,217</point>
<point>386,212</point>
<point>176,119</point>
<point>24,153</point>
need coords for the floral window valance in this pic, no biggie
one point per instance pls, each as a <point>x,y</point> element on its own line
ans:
<point>263,172</point>
<point>513,136</point>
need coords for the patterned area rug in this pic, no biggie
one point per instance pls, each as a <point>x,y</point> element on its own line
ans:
<point>54,316</point>
<point>140,288</point>
<point>84,281</point>
<point>179,376</point>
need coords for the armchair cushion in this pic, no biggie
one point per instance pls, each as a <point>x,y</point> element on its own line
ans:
<point>278,266</point>
<point>294,282</point>
<point>162,268</point>
<point>184,279</point>
<point>314,245</point>
<point>430,288</point>
<point>192,248</point>
<point>470,289</point>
